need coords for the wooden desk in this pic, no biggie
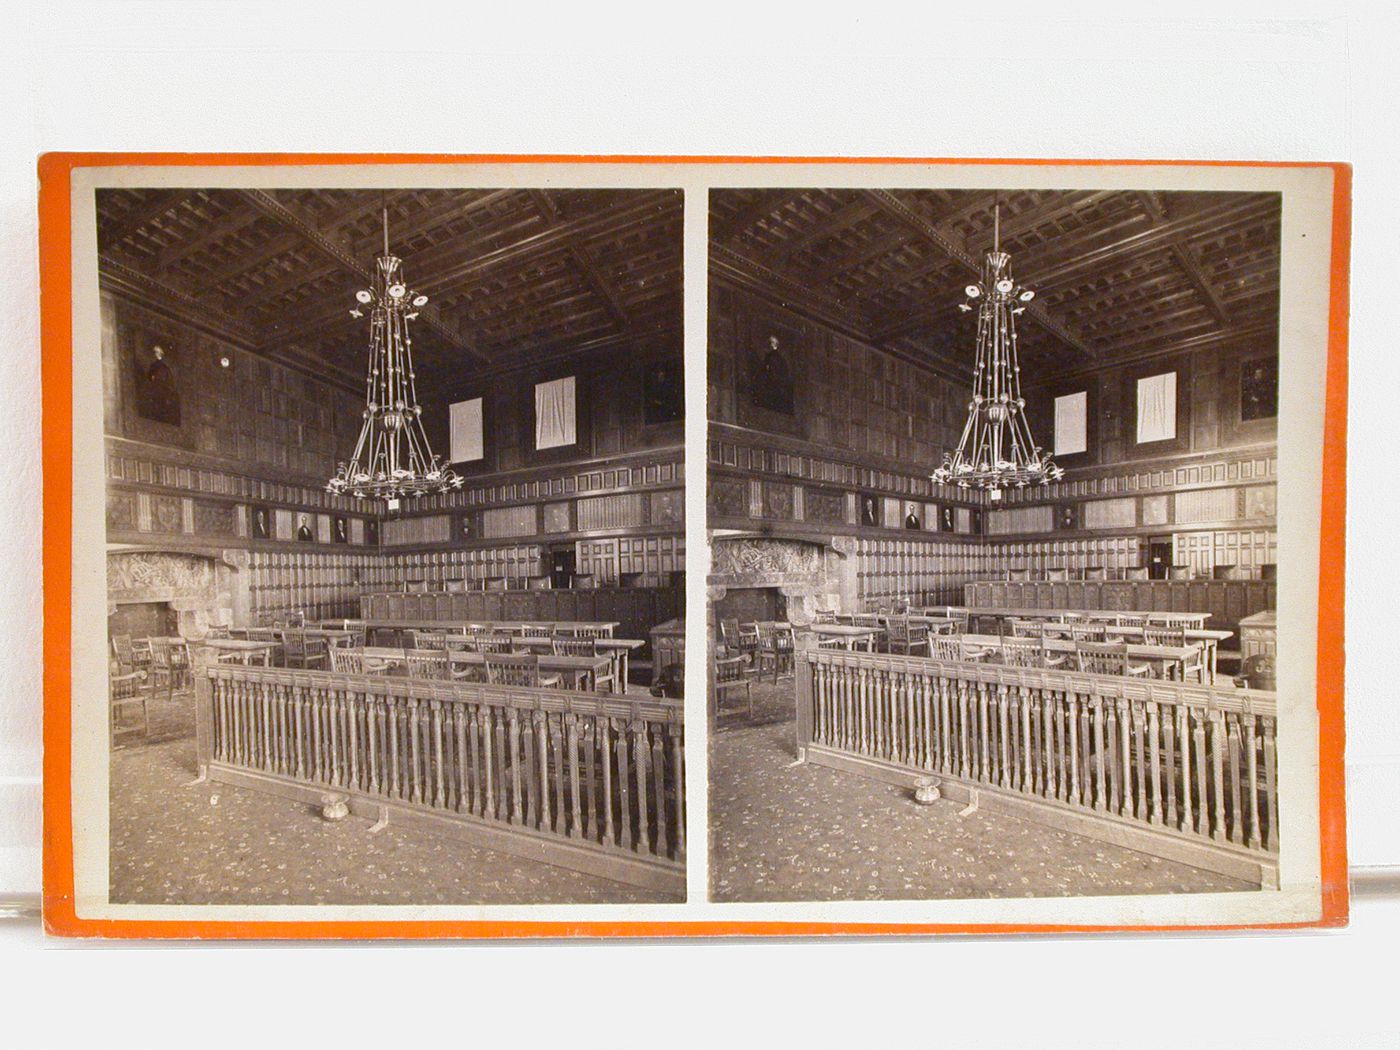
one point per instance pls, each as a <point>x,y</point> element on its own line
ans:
<point>848,634</point>
<point>1207,639</point>
<point>1196,619</point>
<point>569,627</point>
<point>1163,655</point>
<point>248,651</point>
<point>576,669</point>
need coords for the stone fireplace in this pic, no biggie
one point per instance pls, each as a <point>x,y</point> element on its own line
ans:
<point>188,589</point>
<point>795,576</point>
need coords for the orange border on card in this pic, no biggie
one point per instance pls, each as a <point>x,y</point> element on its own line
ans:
<point>56,304</point>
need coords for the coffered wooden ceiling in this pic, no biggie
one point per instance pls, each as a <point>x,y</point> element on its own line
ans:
<point>1118,275</point>
<point>514,276</point>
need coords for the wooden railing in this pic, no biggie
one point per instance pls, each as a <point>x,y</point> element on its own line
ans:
<point>587,781</point>
<point>1181,771</point>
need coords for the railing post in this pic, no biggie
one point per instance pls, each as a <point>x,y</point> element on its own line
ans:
<point>804,647</point>
<point>200,659</point>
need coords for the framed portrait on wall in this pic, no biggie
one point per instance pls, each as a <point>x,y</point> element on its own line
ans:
<point>911,515</point>
<point>869,510</point>
<point>663,392</point>
<point>372,531</point>
<point>260,522</point>
<point>340,530</point>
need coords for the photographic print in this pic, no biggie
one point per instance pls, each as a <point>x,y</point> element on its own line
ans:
<point>997,712</point>
<point>440,716</point>
<point>1021,502</point>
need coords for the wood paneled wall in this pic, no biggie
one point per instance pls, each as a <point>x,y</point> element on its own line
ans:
<point>925,571</point>
<point>847,395</point>
<point>319,584</point>
<point>611,414</point>
<point>255,413</point>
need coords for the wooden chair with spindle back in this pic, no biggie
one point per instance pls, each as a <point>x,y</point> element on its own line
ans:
<point>955,647</point>
<point>824,616</point>
<point>729,678</point>
<point>128,690</point>
<point>494,643</point>
<point>181,675</point>
<point>785,647</point>
<point>748,644</point>
<point>1088,631</point>
<point>141,653</point>
<point>1026,628</point>
<point>160,669</point>
<point>1022,652</point>
<point>427,664</point>
<point>535,630</point>
<point>121,649</point>
<point>903,640</point>
<point>345,660</point>
<point>308,654</point>
<point>520,669</point>
<point>1110,658</point>
<point>1175,638</point>
<point>1129,621</point>
<point>587,647</point>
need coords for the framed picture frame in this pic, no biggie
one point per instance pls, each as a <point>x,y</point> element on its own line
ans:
<point>260,522</point>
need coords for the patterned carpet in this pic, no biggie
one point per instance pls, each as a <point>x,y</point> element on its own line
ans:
<point>783,832</point>
<point>172,843</point>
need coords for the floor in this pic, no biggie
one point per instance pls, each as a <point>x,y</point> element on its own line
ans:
<point>177,843</point>
<point>781,832</point>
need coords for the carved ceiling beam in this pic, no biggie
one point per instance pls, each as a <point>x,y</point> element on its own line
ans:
<point>335,249</point>
<point>1210,218</point>
<point>834,223</point>
<point>111,237</point>
<point>593,226</point>
<point>953,246</point>
<point>598,281</point>
<point>767,202</point>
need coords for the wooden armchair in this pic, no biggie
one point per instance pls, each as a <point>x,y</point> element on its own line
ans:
<point>1026,628</point>
<point>1088,631</point>
<point>825,616</point>
<point>748,644</point>
<point>1022,652</point>
<point>520,669</point>
<point>345,660</point>
<point>494,643</point>
<point>588,647</point>
<point>128,690</point>
<point>427,664</point>
<point>160,667</point>
<point>729,678</point>
<point>1106,658</point>
<point>955,647</point>
<point>1175,638</point>
<point>774,649</point>
<point>301,652</point>
<point>121,650</point>
<point>904,641</point>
